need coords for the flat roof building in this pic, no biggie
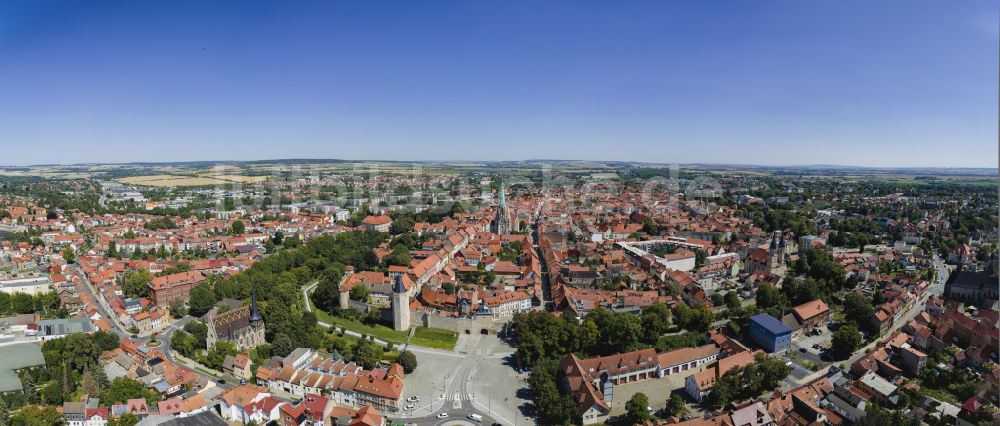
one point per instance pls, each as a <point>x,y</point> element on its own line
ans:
<point>769,333</point>
<point>15,357</point>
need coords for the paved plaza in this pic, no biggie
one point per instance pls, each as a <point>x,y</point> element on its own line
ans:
<point>477,378</point>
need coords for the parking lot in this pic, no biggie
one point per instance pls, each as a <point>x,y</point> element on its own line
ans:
<point>658,391</point>
<point>814,345</point>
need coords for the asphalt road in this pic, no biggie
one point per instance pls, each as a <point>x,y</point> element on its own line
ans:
<point>936,288</point>
<point>164,333</point>
<point>88,287</point>
<point>458,400</point>
<point>474,379</point>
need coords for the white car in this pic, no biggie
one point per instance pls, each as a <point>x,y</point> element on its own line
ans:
<point>442,415</point>
<point>408,407</point>
<point>413,398</point>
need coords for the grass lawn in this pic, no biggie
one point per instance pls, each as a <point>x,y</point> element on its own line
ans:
<point>423,336</point>
<point>434,338</point>
<point>939,394</point>
<point>379,331</point>
<point>210,373</point>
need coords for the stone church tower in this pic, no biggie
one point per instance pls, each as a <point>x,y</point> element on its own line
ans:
<point>776,254</point>
<point>400,306</point>
<point>242,326</point>
<point>501,222</point>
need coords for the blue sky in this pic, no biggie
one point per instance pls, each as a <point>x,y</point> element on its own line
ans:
<point>888,83</point>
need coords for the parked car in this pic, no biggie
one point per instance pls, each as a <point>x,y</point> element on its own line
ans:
<point>408,407</point>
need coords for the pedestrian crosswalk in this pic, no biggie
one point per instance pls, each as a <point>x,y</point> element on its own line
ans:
<point>460,397</point>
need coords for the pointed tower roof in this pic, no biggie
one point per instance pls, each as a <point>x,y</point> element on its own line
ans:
<point>399,287</point>
<point>503,197</point>
<point>254,313</point>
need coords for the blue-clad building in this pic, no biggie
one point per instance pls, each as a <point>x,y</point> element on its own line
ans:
<point>769,333</point>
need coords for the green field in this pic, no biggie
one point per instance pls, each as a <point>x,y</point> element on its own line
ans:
<point>434,338</point>
<point>380,332</point>
<point>423,336</point>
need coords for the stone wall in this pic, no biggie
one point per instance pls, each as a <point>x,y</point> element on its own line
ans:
<point>361,306</point>
<point>460,325</point>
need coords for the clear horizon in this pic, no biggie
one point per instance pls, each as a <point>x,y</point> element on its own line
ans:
<point>375,160</point>
<point>905,84</point>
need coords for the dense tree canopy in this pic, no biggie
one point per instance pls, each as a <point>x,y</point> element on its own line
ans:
<point>123,389</point>
<point>201,300</point>
<point>554,406</point>
<point>845,340</point>
<point>858,309</point>
<point>136,283</point>
<point>637,408</point>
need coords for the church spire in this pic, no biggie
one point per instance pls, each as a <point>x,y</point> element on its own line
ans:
<point>254,314</point>
<point>503,197</point>
<point>399,287</point>
<point>501,222</point>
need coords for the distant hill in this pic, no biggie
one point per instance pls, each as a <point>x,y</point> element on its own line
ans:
<point>806,168</point>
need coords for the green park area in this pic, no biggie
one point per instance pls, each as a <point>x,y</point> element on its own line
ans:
<point>423,336</point>
<point>434,338</point>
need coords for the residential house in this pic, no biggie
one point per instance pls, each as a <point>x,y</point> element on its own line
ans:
<point>74,413</point>
<point>235,403</point>
<point>807,316</point>
<point>699,384</point>
<point>238,366</point>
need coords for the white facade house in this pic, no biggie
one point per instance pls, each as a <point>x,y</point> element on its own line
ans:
<point>31,286</point>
